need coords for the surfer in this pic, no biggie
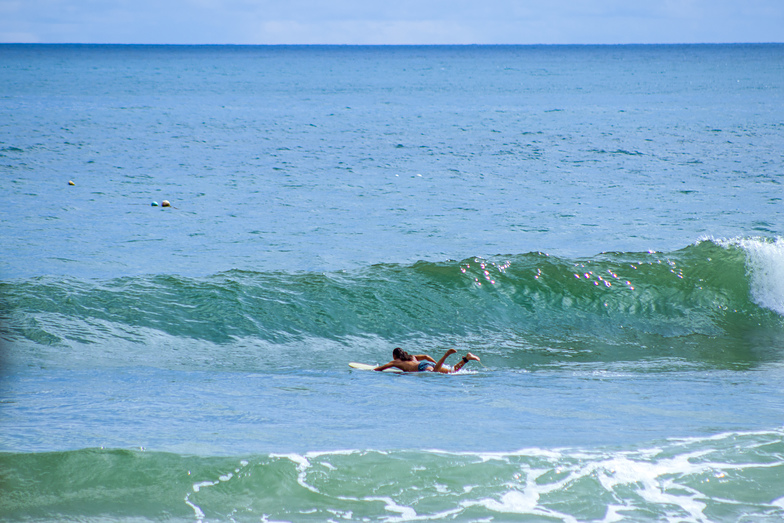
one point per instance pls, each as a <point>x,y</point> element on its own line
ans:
<point>423,363</point>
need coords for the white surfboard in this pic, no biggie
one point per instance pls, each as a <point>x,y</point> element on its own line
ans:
<point>365,366</point>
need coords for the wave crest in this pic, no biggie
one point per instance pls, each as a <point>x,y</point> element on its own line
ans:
<point>721,290</point>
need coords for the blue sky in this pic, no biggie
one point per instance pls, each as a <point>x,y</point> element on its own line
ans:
<point>391,21</point>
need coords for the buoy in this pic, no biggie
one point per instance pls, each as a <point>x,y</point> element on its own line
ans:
<point>165,203</point>
<point>154,204</point>
<point>70,182</point>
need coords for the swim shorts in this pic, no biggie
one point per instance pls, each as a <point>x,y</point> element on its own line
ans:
<point>424,364</point>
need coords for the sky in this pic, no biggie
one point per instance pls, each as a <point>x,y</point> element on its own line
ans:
<point>391,21</point>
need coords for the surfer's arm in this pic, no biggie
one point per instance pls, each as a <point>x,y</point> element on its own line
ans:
<point>385,366</point>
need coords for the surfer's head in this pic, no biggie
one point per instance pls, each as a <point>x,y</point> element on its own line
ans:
<point>400,354</point>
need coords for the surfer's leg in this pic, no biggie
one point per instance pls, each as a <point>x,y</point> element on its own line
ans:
<point>438,367</point>
<point>465,360</point>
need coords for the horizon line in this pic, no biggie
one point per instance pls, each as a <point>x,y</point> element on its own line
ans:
<point>389,45</point>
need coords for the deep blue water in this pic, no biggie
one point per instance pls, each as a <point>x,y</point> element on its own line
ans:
<point>331,158</point>
<point>602,225</point>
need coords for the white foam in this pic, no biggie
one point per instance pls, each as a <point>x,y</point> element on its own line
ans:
<point>406,513</point>
<point>264,519</point>
<point>765,262</point>
<point>303,464</point>
<point>553,454</point>
<point>196,509</point>
<point>198,486</point>
<point>514,501</point>
<point>654,477</point>
<point>765,265</point>
<point>621,470</point>
<point>525,502</point>
<point>347,452</point>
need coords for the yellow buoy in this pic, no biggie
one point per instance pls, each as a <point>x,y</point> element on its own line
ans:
<point>165,203</point>
<point>70,182</point>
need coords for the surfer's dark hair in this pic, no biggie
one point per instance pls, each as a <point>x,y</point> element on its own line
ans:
<point>400,354</point>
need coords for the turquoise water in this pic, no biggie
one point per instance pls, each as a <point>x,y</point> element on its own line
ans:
<point>601,225</point>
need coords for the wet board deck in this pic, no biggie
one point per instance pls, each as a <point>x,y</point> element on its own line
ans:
<point>365,366</point>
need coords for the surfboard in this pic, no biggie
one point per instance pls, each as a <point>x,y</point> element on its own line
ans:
<point>365,366</point>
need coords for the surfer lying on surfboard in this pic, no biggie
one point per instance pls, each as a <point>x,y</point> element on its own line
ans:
<point>423,363</point>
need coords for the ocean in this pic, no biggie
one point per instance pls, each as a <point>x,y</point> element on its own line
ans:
<point>602,225</point>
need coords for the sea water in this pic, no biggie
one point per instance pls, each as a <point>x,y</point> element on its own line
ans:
<point>601,225</point>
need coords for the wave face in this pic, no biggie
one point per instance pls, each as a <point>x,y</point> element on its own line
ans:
<point>689,480</point>
<point>715,301</point>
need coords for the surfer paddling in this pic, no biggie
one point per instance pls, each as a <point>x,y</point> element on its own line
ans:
<point>424,363</point>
